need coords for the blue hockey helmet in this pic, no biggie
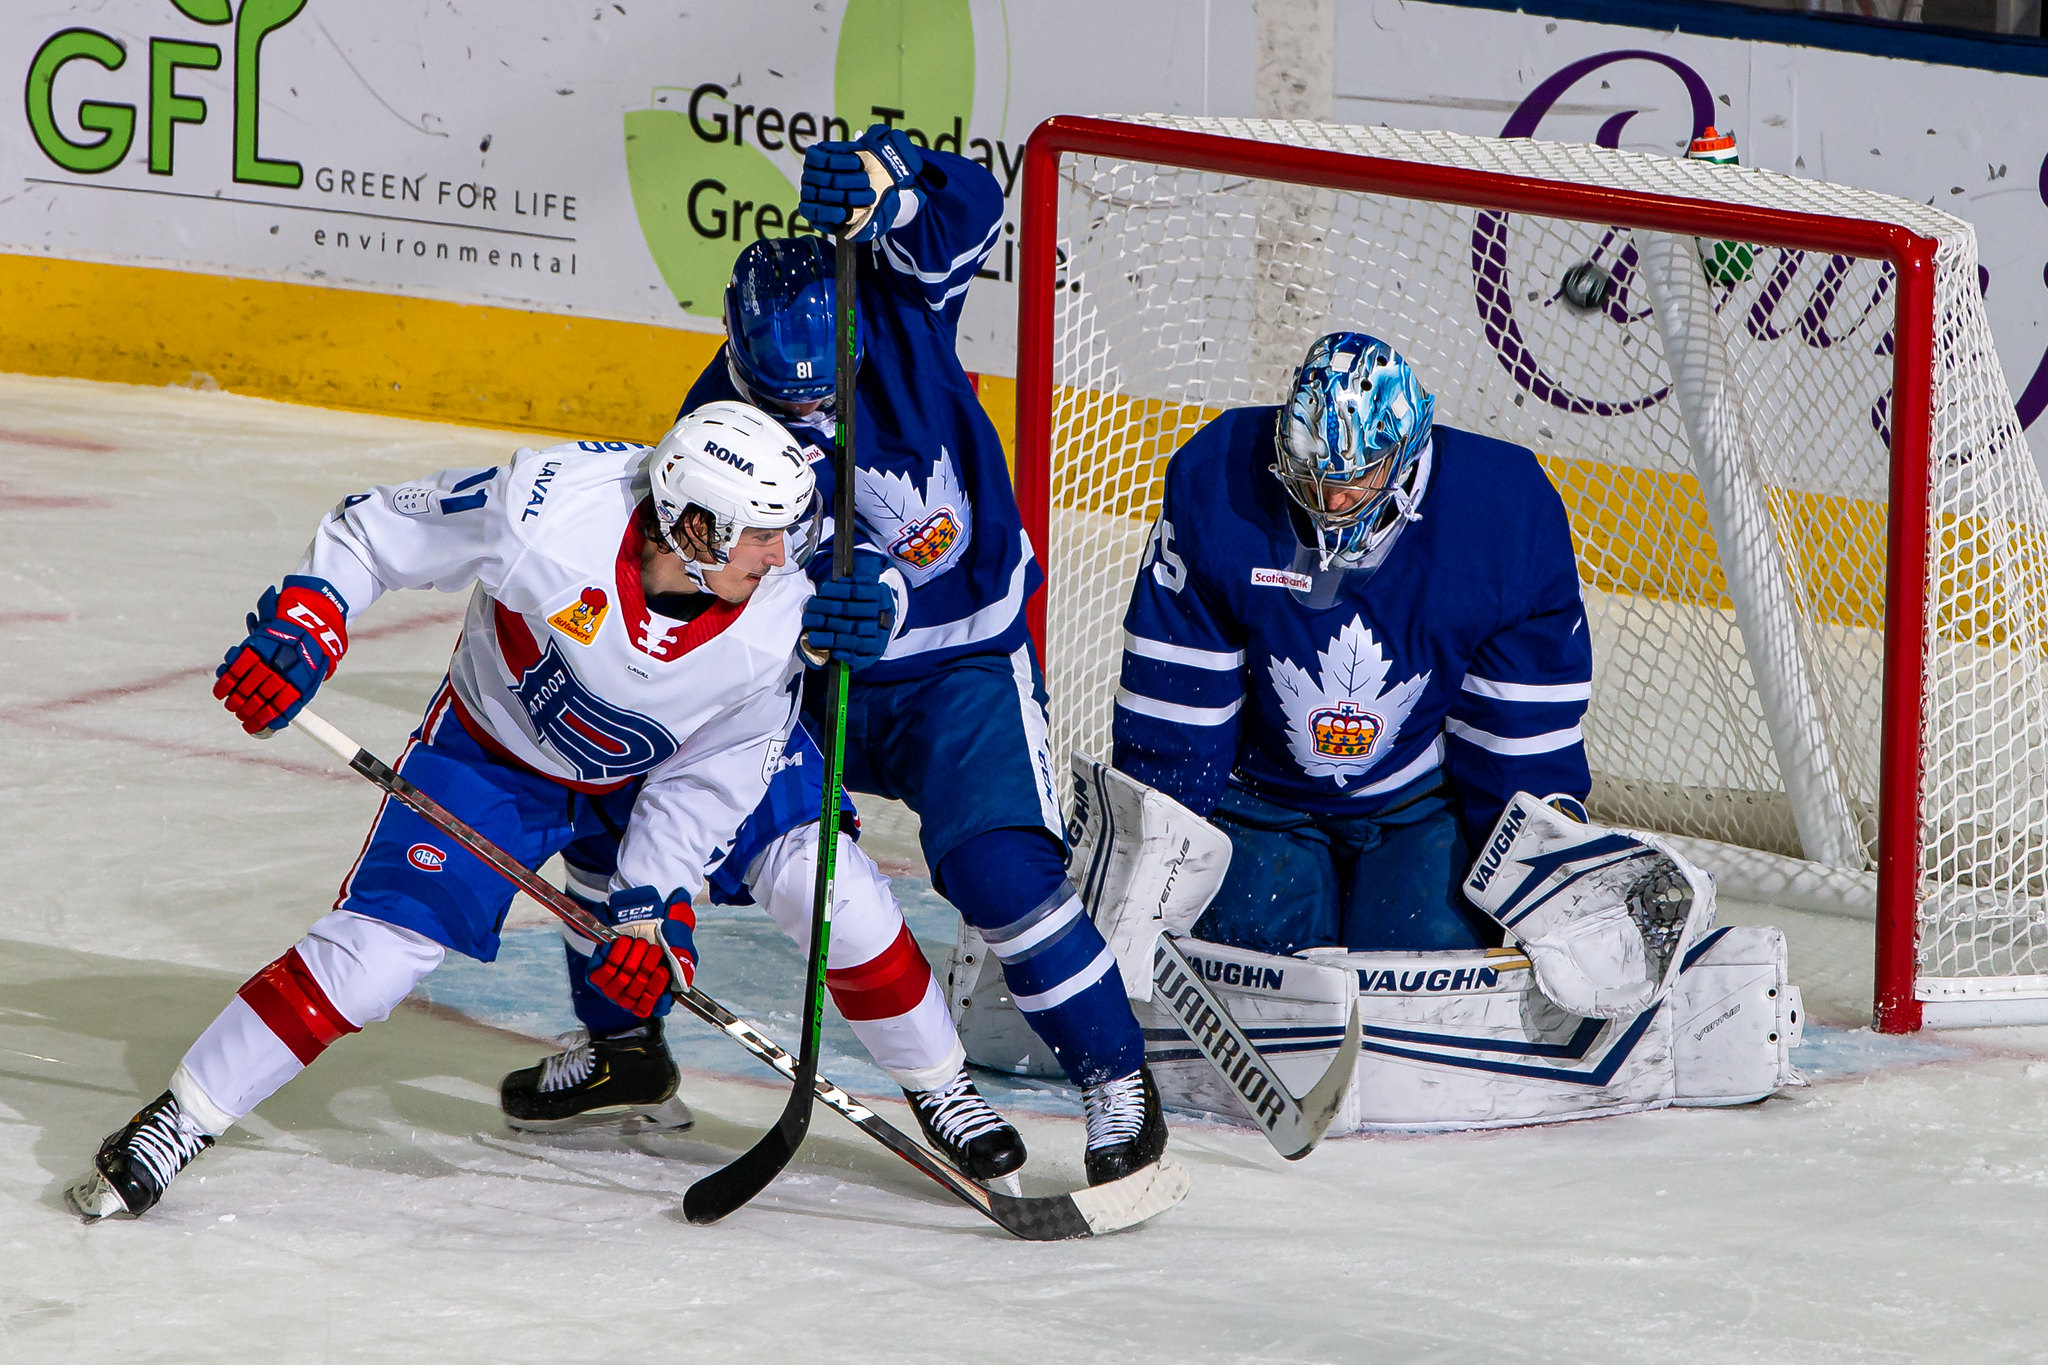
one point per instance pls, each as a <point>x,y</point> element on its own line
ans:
<point>778,321</point>
<point>1352,432</point>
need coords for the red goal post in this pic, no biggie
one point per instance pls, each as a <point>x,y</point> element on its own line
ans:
<point>1229,153</point>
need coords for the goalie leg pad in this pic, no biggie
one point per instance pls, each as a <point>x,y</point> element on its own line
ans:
<point>1736,1017</point>
<point>1143,863</point>
<point>1452,1040</point>
<point>1605,915</point>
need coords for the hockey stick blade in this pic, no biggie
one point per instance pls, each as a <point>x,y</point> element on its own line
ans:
<point>1037,1218</point>
<point>1293,1126</point>
<point>1081,1213</point>
<point>732,1185</point>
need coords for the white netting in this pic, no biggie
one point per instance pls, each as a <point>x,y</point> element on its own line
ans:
<point>1718,430</point>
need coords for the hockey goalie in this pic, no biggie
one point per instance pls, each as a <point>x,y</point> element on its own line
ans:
<point>1354,648</point>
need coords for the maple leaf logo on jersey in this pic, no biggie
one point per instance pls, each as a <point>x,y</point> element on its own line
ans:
<point>1341,726</point>
<point>581,618</point>
<point>925,530</point>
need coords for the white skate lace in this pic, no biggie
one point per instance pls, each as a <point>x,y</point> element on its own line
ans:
<point>163,1145</point>
<point>956,1113</point>
<point>571,1068</point>
<point>1115,1110</point>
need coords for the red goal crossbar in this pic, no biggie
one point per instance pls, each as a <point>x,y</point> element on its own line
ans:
<point>1906,549</point>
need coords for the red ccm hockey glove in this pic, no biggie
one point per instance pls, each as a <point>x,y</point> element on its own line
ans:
<point>633,972</point>
<point>296,637</point>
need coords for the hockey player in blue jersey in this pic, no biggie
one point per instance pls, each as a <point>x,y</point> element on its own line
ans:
<point>946,713</point>
<point>1356,634</point>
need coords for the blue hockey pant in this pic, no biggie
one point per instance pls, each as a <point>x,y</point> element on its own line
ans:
<point>1386,882</point>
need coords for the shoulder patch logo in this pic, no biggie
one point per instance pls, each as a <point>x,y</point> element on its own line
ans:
<point>924,543</point>
<point>413,500</point>
<point>1341,724</point>
<point>1282,578</point>
<point>926,529</point>
<point>581,618</point>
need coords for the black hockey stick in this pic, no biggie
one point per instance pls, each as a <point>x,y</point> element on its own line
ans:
<point>732,1185</point>
<point>1037,1218</point>
<point>1293,1126</point>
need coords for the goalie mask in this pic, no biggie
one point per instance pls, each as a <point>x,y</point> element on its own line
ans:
<point>743,470</point>
<point>778,322</point>
<point>1355,426</point>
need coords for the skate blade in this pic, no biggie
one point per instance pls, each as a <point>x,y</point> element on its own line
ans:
<point>1011,1184</point>
<point>670,1116</point>
<point>92,1198</point>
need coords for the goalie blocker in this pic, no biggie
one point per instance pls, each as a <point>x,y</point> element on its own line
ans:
<point>1451,1039</point>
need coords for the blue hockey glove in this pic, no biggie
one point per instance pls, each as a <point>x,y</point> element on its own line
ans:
<point>836,187</point>
<point>633,972</point>
<point>296,637</point>
<point>852,619</point>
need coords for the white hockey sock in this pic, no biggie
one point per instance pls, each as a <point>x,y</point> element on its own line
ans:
<point>348,971</point>
<point>877,974</point>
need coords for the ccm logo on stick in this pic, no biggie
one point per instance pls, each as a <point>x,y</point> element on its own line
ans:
<point>426,857</point>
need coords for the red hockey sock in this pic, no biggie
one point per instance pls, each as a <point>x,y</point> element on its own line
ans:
<point>288,999</point>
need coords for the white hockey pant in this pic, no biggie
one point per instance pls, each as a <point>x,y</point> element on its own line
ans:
<point>347,972</point>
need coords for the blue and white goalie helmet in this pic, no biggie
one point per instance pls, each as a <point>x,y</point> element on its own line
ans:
<point>778,321</point>
<point>743,470</point>
<point>1355,424</point>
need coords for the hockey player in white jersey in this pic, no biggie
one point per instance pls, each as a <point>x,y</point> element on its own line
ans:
<point>622,692</point>
<point>946,712</point>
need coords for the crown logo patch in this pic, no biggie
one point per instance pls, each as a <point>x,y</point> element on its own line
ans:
<point>1344,715</point>
<point>924,542</point>
<point>1343,730</point>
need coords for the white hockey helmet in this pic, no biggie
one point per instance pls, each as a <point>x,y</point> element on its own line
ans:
<point>737,464</point>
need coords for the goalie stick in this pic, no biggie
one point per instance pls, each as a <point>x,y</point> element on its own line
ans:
<point>1292,1126</point>
<point>1037,1218</point>
<point>733,1184</point>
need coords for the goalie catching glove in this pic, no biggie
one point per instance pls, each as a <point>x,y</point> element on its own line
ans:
<point>296,637</point>
<point>1605,915</point>
<point>633,971</point>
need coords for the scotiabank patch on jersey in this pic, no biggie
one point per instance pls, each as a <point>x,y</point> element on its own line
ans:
<point>601,741</point>
<point>581,618</point>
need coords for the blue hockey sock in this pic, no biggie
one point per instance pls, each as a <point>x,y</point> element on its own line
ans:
<point>1011,884</point>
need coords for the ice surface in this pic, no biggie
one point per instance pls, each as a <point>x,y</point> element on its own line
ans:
<point>377,1209</point>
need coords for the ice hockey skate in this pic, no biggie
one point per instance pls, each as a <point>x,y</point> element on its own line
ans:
<point>966,1130</point>
<point>134,1166</point>
<point>623,1078</point>
<point>1126,1128</point>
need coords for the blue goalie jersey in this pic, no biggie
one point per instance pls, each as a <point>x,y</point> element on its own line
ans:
<point>933,490</point>
<point>1464,652</point>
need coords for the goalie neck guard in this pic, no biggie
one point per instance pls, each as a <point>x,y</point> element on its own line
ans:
<point>743,470</point>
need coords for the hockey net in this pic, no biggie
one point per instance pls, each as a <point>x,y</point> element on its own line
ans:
<point>1805,513</point>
